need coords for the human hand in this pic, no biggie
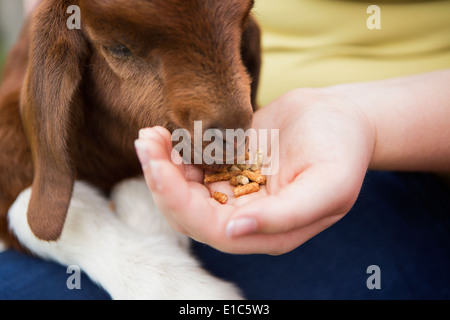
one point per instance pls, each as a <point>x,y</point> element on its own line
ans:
<point>30,5</point>
<point>325,143</point>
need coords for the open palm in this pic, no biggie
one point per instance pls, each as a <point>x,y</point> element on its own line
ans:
<point>325,145</point>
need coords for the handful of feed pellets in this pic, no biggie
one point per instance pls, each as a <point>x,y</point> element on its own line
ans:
<point>245,178</point>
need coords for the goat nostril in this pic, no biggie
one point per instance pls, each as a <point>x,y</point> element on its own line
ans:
<point>220,137</point>
<point>222,146</point>
<point>216,132</point>
<point>217,135</point>
<point>230,140</point>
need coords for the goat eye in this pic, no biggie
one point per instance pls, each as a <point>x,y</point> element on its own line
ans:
<point>119,51</point>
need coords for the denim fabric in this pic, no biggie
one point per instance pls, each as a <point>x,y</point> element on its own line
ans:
<point>400,223</point>
<point>23,277</point>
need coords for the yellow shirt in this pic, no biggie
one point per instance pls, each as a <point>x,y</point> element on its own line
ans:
<point>314,43</point>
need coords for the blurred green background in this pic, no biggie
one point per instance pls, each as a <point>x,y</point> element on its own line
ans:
<point>11,18</point>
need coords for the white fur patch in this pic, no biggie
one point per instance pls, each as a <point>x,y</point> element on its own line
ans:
<point>135,207</point>
<point>133,254</point>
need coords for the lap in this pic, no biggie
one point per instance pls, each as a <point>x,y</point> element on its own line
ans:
<point>400,223</point>
<point>30,278</point>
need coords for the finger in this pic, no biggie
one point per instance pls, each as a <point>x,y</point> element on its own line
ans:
<point>275,244</point>
<point>189,204</point>
<point>158,141</point>
<point>312,196</point>
<point>158,133</point>
<point>185,203</point>
<point>170,189</point>
<point>159,171</point>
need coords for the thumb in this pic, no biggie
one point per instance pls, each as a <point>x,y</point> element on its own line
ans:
<point>299,204</point>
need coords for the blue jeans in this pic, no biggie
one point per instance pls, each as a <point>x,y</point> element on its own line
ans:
<point>400,224</point>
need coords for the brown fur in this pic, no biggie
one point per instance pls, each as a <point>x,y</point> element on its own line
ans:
<point>71,104</point>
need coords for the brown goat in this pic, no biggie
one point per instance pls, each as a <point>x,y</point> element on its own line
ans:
<point>72,101</point>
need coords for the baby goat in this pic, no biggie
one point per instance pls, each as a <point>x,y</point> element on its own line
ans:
<point>72,101</point>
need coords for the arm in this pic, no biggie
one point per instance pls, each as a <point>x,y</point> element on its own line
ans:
<point>328,139</point>
<point>411,117</point>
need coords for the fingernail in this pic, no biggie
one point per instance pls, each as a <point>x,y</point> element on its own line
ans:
<point>241,227</point>
<point>142,152</point>
<point>145,133</point>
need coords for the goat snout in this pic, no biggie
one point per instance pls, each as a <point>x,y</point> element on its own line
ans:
<point>217,147</point>
<point>214,147</point>
<point>231,143</point>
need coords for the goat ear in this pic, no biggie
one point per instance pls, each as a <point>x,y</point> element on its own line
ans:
<point>50,109</point>
<point>251,55</point>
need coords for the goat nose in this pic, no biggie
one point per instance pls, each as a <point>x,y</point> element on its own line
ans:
<point>218,135</point>
<point>232,142</point>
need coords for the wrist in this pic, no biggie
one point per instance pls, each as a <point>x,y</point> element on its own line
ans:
<point>409,117</point>
<point>358,110</point>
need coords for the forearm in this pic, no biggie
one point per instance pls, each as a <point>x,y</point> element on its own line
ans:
<point>411,120</point>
